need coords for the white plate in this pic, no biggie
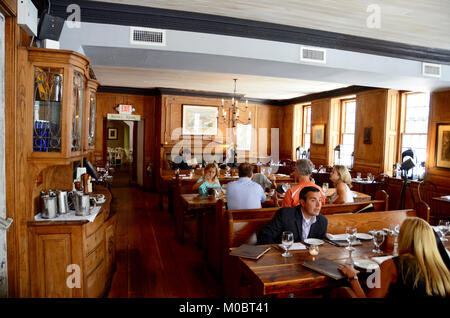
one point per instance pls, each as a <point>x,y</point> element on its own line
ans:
<point>364,236</point>
<point>312,241</point>
<point>365,263</point>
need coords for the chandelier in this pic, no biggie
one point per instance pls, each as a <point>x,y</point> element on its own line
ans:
<point>234,110</point>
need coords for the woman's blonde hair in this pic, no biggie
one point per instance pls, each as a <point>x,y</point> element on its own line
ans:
<point>344,174</point>
<point>212,166</point>
<point>417,239</point>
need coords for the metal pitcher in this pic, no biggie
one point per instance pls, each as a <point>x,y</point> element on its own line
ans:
<point>63,202</point>
<point>50,210</point>
<point>82,203</point>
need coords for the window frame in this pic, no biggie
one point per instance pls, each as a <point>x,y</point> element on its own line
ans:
<point>402,122</point>
<point>343,117</point>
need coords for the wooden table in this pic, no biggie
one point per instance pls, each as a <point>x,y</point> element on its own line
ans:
<point>199,204</point>
<point>363,184</point>
<point>273,274</point>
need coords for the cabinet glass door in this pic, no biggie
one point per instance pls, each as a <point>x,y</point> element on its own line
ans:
<point>77,98</point>
<point>91,119</point>
<point>48,87</point>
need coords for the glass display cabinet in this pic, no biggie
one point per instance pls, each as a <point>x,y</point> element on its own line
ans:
<point>62,93</point>
<point>91,104</point>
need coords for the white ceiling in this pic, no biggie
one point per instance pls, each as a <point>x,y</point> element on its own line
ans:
<point>266,69</point>
<point>417,22</point>
<point>252,86</point>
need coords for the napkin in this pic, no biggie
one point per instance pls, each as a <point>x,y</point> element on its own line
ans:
<point>381,259</point>
<point>336,237</point>
<point>295,247</point>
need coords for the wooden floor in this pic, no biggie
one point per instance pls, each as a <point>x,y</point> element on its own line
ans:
<point>150,262</point>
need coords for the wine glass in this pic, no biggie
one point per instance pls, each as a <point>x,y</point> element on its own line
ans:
<point>325,187</point>
<point>351,236</point>
<point>369,177</point>
<point>287,240</point>
<point>444,228</point>
<point>378,239</point>
<point>395,229</point>
<point>217,192</point>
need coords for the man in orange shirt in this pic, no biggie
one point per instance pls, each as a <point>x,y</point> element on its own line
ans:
<point>303,171</point>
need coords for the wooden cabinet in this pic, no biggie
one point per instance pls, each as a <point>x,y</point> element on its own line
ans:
<point>63,96</point>
<point>72,259</point>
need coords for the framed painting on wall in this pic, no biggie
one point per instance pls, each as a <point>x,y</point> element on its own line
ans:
<point>443,146</point>
<point>112,133</point>
<point>199,120</point>
<point>318,134</point>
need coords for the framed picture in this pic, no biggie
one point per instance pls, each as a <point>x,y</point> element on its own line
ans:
<point>368,135</point>
<point>199,120</point>
<point>318,134</point>
<point>443,146</point>
<point>112,133</point>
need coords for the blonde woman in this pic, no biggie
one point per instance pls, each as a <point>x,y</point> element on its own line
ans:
<point>210,180</point>
<point>342,182</point>
<point>417,271</point>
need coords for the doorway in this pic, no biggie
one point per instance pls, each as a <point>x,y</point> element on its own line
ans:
<point>123,150</point>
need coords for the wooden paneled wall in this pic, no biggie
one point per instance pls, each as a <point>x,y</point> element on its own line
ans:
<point>263,118</point>
<point>146,107</point>
<point>439,114</point>
<point>320,114</point>
<point>377,109</point>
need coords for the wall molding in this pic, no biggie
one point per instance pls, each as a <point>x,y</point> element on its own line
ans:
<point>350,90</point>
<point>132,15</point>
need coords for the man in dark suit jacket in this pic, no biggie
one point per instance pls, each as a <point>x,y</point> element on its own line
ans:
<point>304,220</point>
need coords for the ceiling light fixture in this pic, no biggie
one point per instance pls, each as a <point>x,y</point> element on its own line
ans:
<point>234,109</point>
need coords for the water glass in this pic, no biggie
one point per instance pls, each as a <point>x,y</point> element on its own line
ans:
<point>287,240</point>
<point>378,239</point>
<point>358,176</point>
<point>217,192</point>
<point>325,187</point>
<point>351,237</point>
<point>444,228</point>
<point>369,177</point>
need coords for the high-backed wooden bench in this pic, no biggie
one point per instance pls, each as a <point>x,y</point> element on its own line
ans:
<point>380,203</point>
<point>365,222</point>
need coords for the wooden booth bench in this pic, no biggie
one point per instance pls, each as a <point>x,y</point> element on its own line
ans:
<point>241,226</point>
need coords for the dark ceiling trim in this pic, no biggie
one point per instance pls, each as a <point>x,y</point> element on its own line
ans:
<point>350,90</point>
<point>131,15</point>
<point>128,90</point>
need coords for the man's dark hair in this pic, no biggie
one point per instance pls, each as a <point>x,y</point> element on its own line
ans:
<point>245,170</point>
<point>305,190</point>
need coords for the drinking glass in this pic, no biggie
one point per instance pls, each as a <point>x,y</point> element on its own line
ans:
<point>314,250</point>
<point>325,187</point>
<point>358,176</point>
<point>351,236</point>
<point>369,177</point>
<point>217,192</point>
<point>287,240</point>
<point>444,228</point>
<point>395,229</point>
<point>378,239</point>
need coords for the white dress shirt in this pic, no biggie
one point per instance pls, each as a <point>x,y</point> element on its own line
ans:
<point>244,194</point>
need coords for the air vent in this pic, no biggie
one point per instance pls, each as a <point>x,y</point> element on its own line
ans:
<point>433,70</point>
<point>313,54</point>
<point>146,36</point>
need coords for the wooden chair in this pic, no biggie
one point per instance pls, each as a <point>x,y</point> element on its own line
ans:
<point>423,210</point>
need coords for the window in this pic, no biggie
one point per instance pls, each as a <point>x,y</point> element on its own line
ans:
<point>306,127</point>
<point>415,124</point>
<point>348,120</point>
